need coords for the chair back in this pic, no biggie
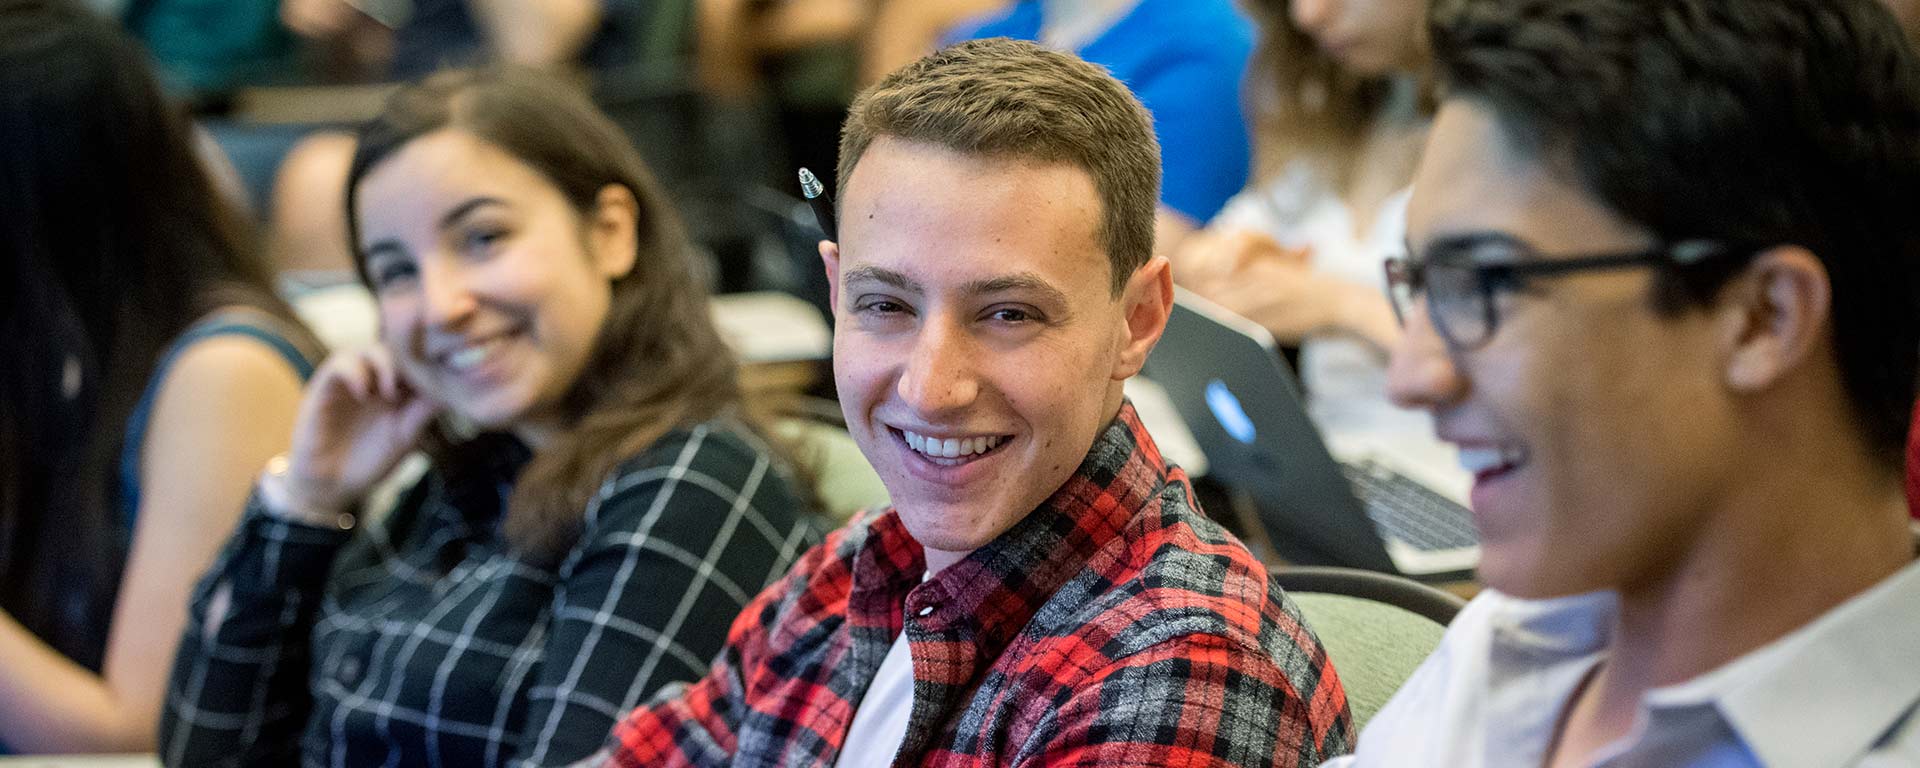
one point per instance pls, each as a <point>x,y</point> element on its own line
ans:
<point>1377,628</point>
<point>843,482</point>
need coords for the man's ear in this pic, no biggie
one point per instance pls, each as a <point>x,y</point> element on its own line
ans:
<point>613,231</point>
<point>1148,299</point>
<point>830,259</point>
<point>1777,315</point>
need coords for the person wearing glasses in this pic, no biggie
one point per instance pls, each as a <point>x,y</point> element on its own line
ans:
<point>1663,279</point>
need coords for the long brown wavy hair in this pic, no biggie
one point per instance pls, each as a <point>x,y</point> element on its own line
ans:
<point>1305,105</point>
<point>658,363</point>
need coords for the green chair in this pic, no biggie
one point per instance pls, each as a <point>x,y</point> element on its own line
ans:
<point>843,481</point>
<point>1377,628</point>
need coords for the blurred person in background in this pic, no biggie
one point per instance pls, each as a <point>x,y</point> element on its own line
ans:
<point>149,372</point>
<point>1339,88</point>
<point>403,40</point>
<point>598,505</point>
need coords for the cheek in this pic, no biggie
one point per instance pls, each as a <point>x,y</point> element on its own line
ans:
<point>398,322</point>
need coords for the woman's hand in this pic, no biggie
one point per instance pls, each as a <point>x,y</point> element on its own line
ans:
<point>1275,286</point>
<point>358,419</point>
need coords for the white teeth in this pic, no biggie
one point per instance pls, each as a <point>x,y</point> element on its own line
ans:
<point>467,357</point>
<point>472,356</point>
<point>950,448</point>
<point>1478,460</point>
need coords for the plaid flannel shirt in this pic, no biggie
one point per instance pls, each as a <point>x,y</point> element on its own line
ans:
<point>1114,626</point>
<point>425,641</point>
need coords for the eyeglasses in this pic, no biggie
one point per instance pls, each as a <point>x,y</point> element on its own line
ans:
<point>1462,278</point>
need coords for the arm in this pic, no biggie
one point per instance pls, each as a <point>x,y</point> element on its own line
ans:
<point>239,690</point>
<point>537,33</point>
<point>686,538</point>
<point>225,405</point>
<point>239,694</point>
<point>1275,286</point>
<point>1199,701</point>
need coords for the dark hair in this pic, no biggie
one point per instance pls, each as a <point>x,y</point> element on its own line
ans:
<point>658,363</point>
<point>114,242</point>
<point>1751,122</point>
<point>1013,99</point>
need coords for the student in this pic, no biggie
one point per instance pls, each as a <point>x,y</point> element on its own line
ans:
<point>1044,591</point>
<point>612,512</point>
<point>148,371</point>
<point>1664,274</point>
<point>1341,90</point>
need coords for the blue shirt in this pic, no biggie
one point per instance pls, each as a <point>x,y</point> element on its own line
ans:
<point>1185,60</point>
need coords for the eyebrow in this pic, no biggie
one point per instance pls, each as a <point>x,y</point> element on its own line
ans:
<point>1018,282</point>
<point>447,220</point>
<point>1024,282</point>
<point>882,275</point>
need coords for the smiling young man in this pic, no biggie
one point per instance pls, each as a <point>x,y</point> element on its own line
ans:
<point>1663,293</point>
<point>1043,591</point>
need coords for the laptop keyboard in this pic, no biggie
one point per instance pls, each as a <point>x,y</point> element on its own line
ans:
<point>1404,509</point>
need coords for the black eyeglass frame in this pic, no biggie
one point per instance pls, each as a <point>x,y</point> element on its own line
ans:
<point>1407,280</point>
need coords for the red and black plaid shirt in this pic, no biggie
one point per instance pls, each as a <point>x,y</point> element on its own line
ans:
<point>1114,626</point>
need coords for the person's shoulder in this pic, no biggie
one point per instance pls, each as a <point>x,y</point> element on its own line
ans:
<point>239,342</point>
<point>228,362</point>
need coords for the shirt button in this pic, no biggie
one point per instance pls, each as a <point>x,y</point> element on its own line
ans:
<point>927,611</point>
<point>350,670</point>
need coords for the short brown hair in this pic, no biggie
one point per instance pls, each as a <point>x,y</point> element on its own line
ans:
<point>1016,100</point>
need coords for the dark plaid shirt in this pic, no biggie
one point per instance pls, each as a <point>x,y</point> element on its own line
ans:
<point>1113,626</point>
<point>430,644</point>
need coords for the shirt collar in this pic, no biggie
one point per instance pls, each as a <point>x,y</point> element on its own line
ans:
<point>1826,693</point>
<point>998,588</point>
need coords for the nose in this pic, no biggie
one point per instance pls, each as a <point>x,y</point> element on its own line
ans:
<point>939,377</point>
<point>1421,371</point>
<point>1311,15</point>
<point>446,293</point>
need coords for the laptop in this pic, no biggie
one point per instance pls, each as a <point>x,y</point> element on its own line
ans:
<point>1225,376</point>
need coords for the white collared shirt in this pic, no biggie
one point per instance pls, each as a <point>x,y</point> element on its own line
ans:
<point>1841,691</point>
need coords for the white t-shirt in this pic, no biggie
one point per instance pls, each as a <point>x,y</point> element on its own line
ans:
<point>880,721</point>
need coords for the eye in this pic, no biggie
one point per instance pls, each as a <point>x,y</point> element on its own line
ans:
<point>878,305</point>
<point>386,273</point>
<point>481,239</point>
<point>1012,315</point>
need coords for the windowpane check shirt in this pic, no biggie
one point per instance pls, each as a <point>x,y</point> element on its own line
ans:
<point>425,641</point>
<point>1114,626</point>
